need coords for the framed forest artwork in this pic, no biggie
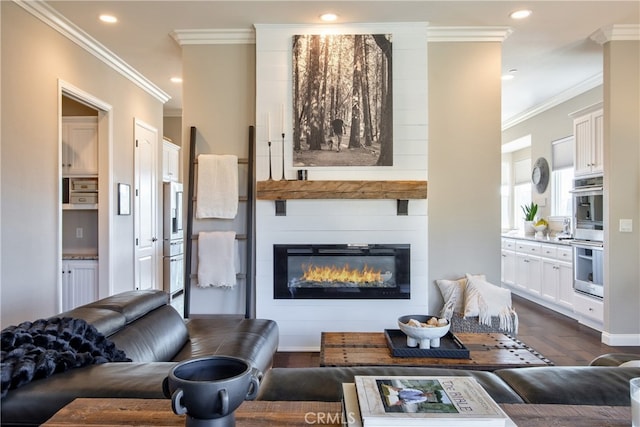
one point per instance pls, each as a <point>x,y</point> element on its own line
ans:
<point>342,100</point>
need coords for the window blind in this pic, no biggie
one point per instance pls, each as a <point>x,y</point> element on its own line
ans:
<point>522,171</point>
<point>562,153</point>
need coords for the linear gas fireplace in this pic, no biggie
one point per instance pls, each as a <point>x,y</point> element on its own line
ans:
<point>341,271</point>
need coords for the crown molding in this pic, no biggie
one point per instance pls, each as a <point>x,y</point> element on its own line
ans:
<point>617,32</point>
<point>58,22</point>
<point>231,36</point>
<point>468,34</point>
<point>434,34</point>
<point>554,101</point>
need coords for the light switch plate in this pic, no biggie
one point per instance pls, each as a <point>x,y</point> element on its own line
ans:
<point>626,225</point>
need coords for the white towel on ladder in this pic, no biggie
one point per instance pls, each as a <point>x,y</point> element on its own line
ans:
<point>217,195</point>
<point>218,262</point>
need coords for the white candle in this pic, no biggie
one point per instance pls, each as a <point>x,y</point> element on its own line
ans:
<point>268,127</point>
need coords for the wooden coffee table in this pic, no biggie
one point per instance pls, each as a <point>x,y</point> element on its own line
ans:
<point>157,412</point>
<point>487,351</point>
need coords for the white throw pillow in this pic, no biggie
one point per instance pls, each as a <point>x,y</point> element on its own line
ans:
<point>484,298</point>
<point>453,291</point>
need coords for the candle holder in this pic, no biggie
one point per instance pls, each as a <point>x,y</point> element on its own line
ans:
<point>270,177</point>
<point>283,178</point>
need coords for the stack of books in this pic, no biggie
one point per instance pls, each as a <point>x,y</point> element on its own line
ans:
<point>395,401</point>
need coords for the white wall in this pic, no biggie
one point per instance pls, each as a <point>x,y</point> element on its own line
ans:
<point>342,221</point>
<point>34,58</point>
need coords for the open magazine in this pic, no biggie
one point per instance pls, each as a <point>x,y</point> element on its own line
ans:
<point>418,401</point>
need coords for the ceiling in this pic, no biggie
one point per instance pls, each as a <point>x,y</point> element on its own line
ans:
<point>551,50</point>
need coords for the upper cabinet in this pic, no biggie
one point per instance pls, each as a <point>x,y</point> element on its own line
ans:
<point>588,132</point>
<point>80,145</point>
<point>170,161</point>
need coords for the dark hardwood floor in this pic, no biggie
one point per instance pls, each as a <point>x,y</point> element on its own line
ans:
<point>559,338</point>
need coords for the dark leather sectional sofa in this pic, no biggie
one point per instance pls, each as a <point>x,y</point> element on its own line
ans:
<point>155,337</point>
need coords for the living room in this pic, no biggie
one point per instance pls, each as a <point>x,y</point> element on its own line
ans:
<point>451,132</point>
<point>456,241</point>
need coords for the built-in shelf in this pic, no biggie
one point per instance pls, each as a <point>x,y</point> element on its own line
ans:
<point>290,190</point>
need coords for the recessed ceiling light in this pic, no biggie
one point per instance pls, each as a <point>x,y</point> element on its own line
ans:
<point>109,19</point>
<point>520,14</point>
<point>328,17</point>
<point>176,79</point>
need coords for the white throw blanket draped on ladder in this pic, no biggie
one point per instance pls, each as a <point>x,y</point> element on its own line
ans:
<point>217,189</point>
<point>218,262</point>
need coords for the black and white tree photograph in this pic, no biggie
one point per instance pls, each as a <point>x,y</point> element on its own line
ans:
<point>342,100</point>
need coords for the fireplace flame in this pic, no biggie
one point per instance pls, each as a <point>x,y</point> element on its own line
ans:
<point>341,274</point>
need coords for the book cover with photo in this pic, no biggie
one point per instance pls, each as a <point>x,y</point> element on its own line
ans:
<point>409,401</point>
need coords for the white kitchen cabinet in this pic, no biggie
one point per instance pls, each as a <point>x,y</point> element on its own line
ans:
<point>542,272</point>
<point>589,310</point>
<point>528,273</point>
<point>79,283</point>
<point>508,262</point>
<point>588,130</point>
<point>79,145</point>
<point>557,282</point>
<point>170,161</point>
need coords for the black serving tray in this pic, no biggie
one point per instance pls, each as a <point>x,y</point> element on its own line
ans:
<point>450,346</point>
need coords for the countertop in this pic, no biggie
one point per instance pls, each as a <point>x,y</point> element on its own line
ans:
<point>547,239</point>
<point>80,257</point>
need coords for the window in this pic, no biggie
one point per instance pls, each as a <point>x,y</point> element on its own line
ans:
<point>562,177</point>
<point>505,195</point>
<point>521,190</point>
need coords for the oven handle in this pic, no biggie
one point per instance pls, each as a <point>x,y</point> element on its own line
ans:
<point>587,191</point>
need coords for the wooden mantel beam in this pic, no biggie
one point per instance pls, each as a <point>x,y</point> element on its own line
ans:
<point>290,190</point>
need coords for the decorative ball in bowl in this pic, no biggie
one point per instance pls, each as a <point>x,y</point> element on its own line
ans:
<point>423,331</point>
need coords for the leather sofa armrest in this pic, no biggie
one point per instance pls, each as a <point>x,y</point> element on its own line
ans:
<point>36,402</point>
<point>614,359</point>
<point>571,385</point>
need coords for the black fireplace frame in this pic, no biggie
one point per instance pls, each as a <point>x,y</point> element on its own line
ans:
<point>402,257</point>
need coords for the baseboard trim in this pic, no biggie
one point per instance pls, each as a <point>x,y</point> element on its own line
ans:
<point>620,340</point>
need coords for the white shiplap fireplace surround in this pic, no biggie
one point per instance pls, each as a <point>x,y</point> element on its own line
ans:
<point>340,221</point>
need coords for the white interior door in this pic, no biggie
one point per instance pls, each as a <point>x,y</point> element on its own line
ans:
<point>145,206</point>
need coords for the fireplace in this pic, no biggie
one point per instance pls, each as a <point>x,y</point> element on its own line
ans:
<point>341,271</point>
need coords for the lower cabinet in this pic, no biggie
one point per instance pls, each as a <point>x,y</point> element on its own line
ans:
<point>541,272</point>
<point>557,282</point>
<point>589,310</point>
<point>79,283</point>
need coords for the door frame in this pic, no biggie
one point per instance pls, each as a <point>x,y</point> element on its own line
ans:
<point>105,201</point>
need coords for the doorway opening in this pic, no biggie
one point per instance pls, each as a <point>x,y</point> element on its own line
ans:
<point>84,198</point>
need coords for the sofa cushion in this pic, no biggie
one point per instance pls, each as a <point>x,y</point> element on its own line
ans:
<point>571,385</point>
<point>133,304</point>
<point>325,384</point>
<point>156,337</point>
<point>254,340</point>
<point>105,321</point>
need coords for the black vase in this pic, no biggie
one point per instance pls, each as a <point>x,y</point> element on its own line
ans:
<point>209,389</point>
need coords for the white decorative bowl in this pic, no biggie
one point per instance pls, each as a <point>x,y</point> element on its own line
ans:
<point>424,337</point>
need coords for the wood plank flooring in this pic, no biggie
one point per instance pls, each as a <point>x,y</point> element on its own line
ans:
<point>557,337</point>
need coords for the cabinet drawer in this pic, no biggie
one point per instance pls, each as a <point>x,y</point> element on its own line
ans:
<point>588,307</point>
<point>528,248</point>
<point>84,198</point>
<point>508,244</point>
<point>564,254</point>
<point>84,184</point>
<point>548,251</point>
